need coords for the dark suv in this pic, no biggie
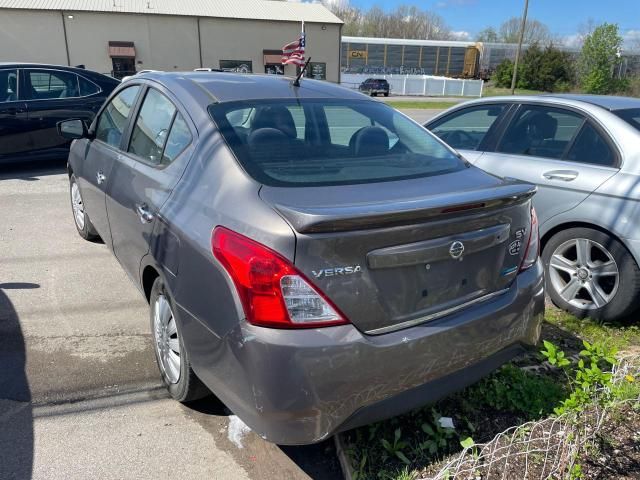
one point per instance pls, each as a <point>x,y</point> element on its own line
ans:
<point>374,86</point>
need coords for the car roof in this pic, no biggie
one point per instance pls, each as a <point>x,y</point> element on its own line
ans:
<point>42,65</point>
<point>227,86</point>
<point>81,71</point>
<point>609,102</point>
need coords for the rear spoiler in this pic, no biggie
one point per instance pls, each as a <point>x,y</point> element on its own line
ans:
<point>406,212</point>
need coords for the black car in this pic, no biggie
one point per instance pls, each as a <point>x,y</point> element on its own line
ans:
<point>35,97</point>
<point>374,86</point>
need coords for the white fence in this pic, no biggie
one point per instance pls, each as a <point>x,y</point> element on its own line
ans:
<point>425,85</point>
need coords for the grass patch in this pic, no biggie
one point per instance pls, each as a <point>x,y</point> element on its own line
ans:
<point>622,337</point>
<point>399,447</point>
<point>417,104</point>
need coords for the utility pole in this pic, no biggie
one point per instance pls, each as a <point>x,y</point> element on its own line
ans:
<point>515,65</point>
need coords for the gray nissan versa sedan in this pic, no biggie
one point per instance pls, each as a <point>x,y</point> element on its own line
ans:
<point>583,152</point>
<point>311,256</point>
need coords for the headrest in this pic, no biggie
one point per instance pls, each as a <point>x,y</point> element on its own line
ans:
<point>369,142</point>
<point>275,116</point>
<point>542,126</point>
<point>269,145</point>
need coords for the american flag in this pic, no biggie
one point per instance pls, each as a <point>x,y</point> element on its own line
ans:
<point>293,53</point>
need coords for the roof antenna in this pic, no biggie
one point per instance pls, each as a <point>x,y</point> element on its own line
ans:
<point>296,82</point>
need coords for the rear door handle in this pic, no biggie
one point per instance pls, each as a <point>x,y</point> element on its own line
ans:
<point>144,214</point>
<point>562,175</point>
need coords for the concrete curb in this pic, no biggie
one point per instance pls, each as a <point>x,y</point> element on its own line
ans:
<point>345,465</point>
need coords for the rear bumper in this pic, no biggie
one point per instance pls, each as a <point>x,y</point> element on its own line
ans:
<point>298,387</point>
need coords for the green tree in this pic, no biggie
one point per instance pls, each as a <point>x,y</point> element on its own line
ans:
<point>548,70</point>
<point>504,71</point>
<point>599,58</point>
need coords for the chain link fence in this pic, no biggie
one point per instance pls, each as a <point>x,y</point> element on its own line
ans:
<point>546,449</point>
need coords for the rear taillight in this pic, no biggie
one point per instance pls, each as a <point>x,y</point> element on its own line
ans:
<point>533,246</point>
<point>273,292</point>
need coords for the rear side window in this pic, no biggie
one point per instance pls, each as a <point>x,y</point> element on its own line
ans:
<point>631,116</point>
<point>345,142</point>
<point>465,129</point>
<point>178,140</point>
<point>591,147</point>
<point>152,127</point>
<point>48,84</point>
<point>8,85</point>
<point>87,87</point>
<point>113,119</point>
<point>541,132</point>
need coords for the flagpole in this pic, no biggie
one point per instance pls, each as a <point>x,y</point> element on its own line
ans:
<point>304,36</point>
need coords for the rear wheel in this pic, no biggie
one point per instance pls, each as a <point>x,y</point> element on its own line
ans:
<point>591,274</point>
<point>386,94</point>
<point>80,217</point>
<point>171,355</point>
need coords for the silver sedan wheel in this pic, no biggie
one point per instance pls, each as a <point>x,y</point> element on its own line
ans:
<point>77,205</point>
<point>584,274</point>
<point>166,339</point>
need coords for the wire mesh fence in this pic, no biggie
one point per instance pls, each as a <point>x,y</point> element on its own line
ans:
<point>545,449</point>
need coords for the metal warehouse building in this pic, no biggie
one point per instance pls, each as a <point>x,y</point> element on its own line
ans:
<point>120,36</point>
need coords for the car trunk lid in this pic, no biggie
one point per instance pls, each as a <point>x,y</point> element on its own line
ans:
<point>395,254</point>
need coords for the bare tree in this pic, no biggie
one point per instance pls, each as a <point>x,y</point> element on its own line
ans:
<point>404,22</point>
<point>534,32</point>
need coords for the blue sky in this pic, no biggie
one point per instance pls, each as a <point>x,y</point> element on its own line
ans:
<point>563,17</point>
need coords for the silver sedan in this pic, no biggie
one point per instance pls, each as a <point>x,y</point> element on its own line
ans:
<point>583,152</point>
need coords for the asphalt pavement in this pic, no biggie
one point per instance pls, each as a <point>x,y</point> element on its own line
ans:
<point>80,395</point>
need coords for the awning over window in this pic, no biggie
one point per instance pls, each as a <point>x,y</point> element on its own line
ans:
<point>272,56</point>
<point>122,49</point>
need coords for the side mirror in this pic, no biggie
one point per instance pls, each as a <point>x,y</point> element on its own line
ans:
<point>72,129</point>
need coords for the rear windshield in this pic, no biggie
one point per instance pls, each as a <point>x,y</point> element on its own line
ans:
<point>630,115</point>
<point>329,142</point>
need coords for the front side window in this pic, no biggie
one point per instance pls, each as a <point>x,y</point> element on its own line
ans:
<point>541,132</point>
<point>344,142</point>
<point>465,129</point>
<point>49,84</point>
<point>152,127</point>
<point>8,85</point>
<point>113,119</point>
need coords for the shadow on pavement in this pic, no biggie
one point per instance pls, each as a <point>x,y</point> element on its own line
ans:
<point>30,171</point>
<point>318,461</point>
<point>16,415</point>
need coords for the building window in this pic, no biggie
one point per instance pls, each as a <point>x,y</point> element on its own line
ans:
<point>317,70</point>
<point>123,58</point>
<point>237,66</point>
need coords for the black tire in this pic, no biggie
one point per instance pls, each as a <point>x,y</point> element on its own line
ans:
<point>374,94</point>
<point>625,297</point>
<point>188,387</point>
<point>87,230</point>
<point>386,94</point>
